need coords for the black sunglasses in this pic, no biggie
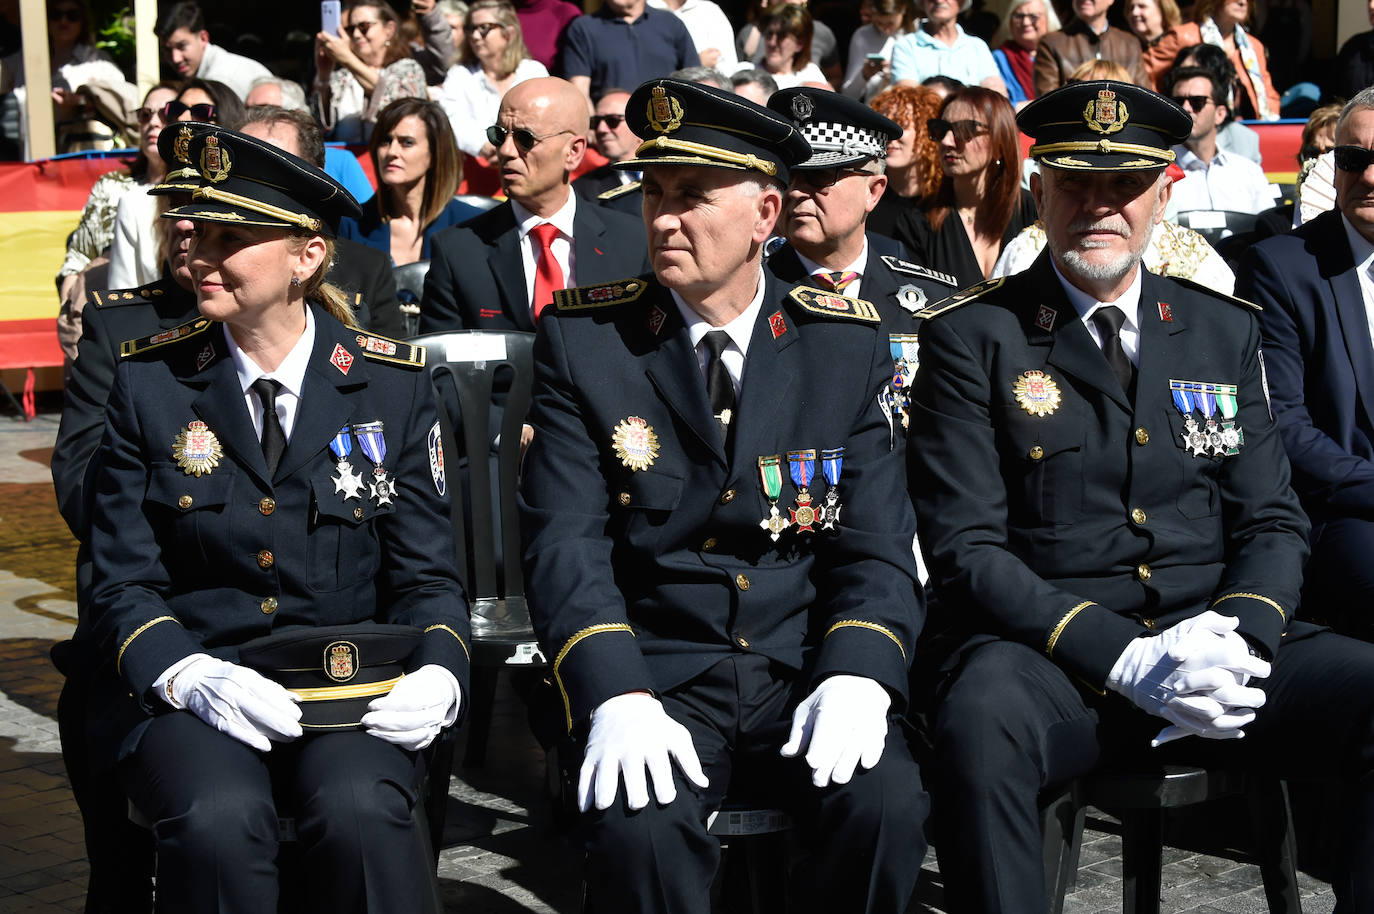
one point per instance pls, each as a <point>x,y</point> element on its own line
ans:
<point>69,14</point>
<point>821,178</point>
<point>1192,102</point>
<point>360,29</point>
<point>612,121</point>
<point>525,139</point>
<point>483,29</point>
<point>1353,158</point>
<point>174,110</point>
<point>963,131</point>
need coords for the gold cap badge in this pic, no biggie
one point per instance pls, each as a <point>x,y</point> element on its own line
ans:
<point>1104,114</point>
<point>214,161</point>
<point>665,111</point>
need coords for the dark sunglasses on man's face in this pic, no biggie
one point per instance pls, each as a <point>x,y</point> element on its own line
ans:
<point>963,131</point>
<point>525,140</point>
<point>1353,158</point>
<point>612,121</point>
<point>172,111</point>
<point>1192,102</point>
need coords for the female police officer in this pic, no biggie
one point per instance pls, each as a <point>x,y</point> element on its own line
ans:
<point>266,495</point>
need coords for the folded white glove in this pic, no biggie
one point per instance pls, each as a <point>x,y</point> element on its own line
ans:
<point>1194,675</point>
<point>630,733</point>
<point>233,699</point>
<point>843,723</point>
<point>416,709</point>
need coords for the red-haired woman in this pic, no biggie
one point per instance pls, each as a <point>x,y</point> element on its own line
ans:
<point>980,204</point>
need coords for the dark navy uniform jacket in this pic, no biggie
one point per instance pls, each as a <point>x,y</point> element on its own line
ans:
<point>1077,530</point>
<point>186,563</point>
<point>640,580</point>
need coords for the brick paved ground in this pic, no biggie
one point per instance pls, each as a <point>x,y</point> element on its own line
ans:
<point>502,854</point>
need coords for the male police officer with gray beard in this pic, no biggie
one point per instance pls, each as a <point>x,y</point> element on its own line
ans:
<point>715,559</point>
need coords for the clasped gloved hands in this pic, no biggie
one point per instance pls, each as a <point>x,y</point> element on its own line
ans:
<point>629,734</point>
<point>416,709</point>
<point>233,699</point>
<point>841,725</point>
<point>1195,675</point>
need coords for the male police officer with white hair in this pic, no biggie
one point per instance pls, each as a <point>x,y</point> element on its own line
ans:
<point>716,561</point>
<point>1105,508</point>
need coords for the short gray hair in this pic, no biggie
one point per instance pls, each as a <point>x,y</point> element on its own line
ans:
<point>1364,99</point>
<point>708,75</point>
<point>754,76</point>
<point>292,95</point>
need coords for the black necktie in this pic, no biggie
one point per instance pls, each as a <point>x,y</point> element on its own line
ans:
<point>719,388</point>
<point>1108,320</point>
<point>273,438</point>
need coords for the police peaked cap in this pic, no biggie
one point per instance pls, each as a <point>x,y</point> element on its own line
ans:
<point>841,131</point>
<point>1104,125</point>
<point>241,180</point>
<point>684,123</point>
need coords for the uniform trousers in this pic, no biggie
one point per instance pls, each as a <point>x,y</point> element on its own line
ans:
<point>215,820</point>
<point>865,838</point>
<point>1339,576</point>
<point>1012,724</point>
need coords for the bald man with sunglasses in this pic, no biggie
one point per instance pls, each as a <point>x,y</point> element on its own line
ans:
<point>499,270</point>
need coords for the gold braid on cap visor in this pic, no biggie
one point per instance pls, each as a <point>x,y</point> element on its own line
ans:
<point>1105,147</point>
<point>743,160</point>
<point>216,195</point>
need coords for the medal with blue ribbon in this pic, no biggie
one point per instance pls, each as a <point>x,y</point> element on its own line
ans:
<point>770,477</point>
<point>1211,438</point>
<point>373,444</point>
<point>832,462</point>
<point>905,360</point>
<point>348,483</point>
<point>803,466</point>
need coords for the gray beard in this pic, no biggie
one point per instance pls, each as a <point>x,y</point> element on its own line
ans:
<point>1073,261</point>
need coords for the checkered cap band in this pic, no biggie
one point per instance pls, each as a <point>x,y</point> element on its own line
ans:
<point>838,143</point>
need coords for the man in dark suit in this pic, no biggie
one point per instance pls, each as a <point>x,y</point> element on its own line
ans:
<point>499,270</point>
<point>617,188</point>
<point>701,610</point>
<point>1104,504</point>
<point>1315,288</point>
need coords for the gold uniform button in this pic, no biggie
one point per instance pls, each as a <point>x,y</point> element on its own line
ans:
<point>709,544</point>
<point>742,643</point>
<point>265,559</point>
<point>269,605</point>
<point>185,502</point>
<point>267,506</point>
<point>1037,452</point>
<point>727,496</point>
<point>625,499</point>
<point>1148,623</point>
<point>1138,516</point>
<point>1142,437</point>
<point>1142,571</point>
<point>357,513</point>
<point>741,582</point>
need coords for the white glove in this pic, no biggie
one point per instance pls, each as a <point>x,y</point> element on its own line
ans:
<point>416,709</point>
<point>233,699</point>
<point>1194,675</point>
<point>843,723</point>
<point>630,733</point>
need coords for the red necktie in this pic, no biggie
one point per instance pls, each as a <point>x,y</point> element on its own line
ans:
<point>548,275</point>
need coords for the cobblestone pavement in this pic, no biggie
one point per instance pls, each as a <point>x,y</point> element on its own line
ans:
<point>501,852</point>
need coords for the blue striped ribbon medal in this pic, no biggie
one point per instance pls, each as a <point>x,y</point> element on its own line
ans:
<point>1218,434</point>
<point>373,444</point>
<point>803,466</point>
<point>832,462</point>
<point>348,483</point>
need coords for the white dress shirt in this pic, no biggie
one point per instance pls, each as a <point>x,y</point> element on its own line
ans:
<point>562,246</point>
<point>740,330</point>
<point>472,102</point>
<point>290,374</point>
<point>1363,252</point>
<point>1128,302</point>
<point>709,27</point>
<point>1231,182</point>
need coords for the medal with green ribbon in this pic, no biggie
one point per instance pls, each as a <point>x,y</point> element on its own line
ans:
<point>770,475</point>
<point>803,467</point>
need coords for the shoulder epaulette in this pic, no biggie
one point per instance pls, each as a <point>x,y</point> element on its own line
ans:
<point>898,265</point>
<point>829,304</point>
<point>394,352</point>
<point>620,191</point>
<point>186,331</point>
<point>141,295</point>
<point>1199,287</point>
<point>604,295</point>
<point>972,293</point>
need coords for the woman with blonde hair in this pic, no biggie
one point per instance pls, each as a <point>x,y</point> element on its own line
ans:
<point>267,524</point>
<point>491,61</point>
<point>1221,23</point>
<point>913,159</point>
<point>418,171</point>
<point>1152,19</point>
